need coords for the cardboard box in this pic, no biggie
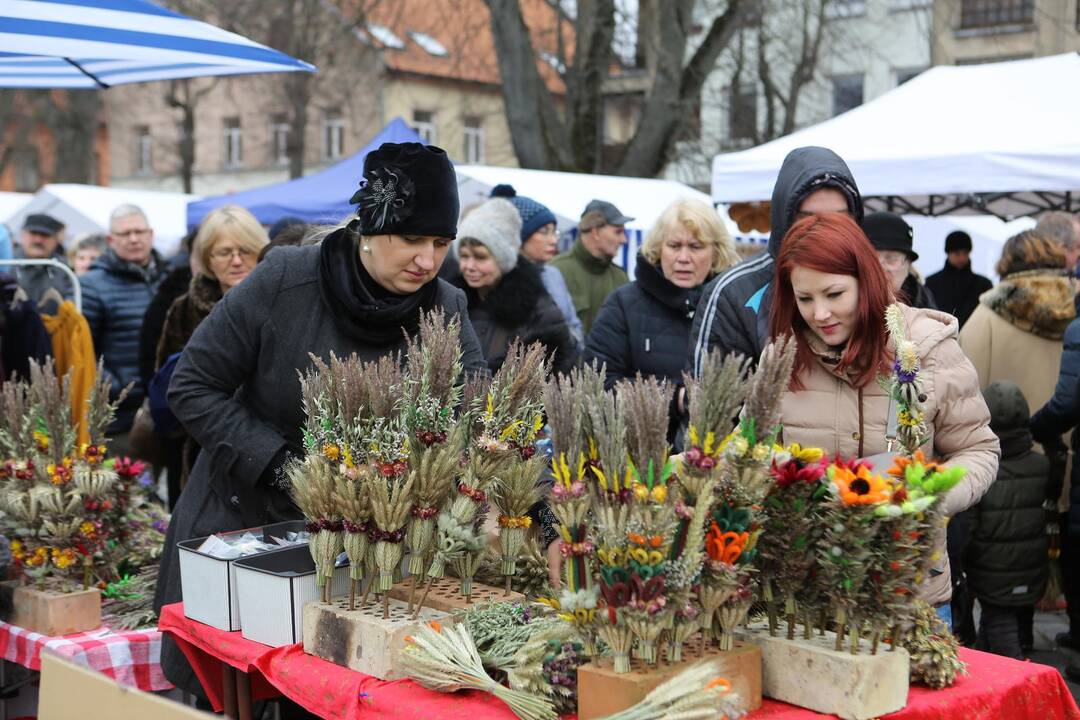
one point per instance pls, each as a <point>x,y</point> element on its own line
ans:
<point>272,589</point>
<point>602,691</point>
<point>69,691</point>
<point>54,613</point>
<point>854,687</point>
<point>208,584</point>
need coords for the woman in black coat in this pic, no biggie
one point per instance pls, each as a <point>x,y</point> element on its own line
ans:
<point>505,291</point>
<point>236,387</point>
<point>645,326</point>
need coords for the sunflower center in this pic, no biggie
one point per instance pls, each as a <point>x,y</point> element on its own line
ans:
<point>860,486</point>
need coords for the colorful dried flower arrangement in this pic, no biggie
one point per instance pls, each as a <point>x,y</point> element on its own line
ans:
<point>70,513</point>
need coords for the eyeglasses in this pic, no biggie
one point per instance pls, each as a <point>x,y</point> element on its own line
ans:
<point>549,230</point>
<point>228,253</point>
<point>134,232</point>
<point>891,260</point>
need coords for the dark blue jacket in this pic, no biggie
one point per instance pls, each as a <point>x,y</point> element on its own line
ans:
<point>1062,413</point>
<point>115,296</point>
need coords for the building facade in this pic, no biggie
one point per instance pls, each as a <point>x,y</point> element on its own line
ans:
<point>978,31</point>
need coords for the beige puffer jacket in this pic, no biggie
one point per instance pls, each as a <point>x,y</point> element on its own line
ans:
<point>833,415</point>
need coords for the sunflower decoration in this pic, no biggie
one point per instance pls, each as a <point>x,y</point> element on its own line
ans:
<point>846,547</point>
<point>792,527</point>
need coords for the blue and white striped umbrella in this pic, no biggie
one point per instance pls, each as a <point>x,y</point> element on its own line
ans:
<point>99,43</point>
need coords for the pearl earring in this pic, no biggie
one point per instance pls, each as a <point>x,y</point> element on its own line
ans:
<point>366,248</point>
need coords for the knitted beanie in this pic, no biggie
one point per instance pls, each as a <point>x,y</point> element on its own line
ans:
<point>534,215</point>
<point>497,226</point>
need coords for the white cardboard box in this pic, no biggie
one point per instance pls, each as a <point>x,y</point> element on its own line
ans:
<point>208,584</point>
<point>273,589</point>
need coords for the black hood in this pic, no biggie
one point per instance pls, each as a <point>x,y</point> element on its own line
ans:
<point>804,170</point>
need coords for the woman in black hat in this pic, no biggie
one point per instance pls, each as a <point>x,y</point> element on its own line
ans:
<point>236,388</point>
<point>891,236</point>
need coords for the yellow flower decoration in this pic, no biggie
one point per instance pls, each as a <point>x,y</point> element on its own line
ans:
<point>808,455</point>
<point>862,488</point>
<point>42,440</point>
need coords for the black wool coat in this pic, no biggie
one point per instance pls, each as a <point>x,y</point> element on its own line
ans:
<point>1006,556</point>
<point>644,327</point>
<point>519,307</point>
<point>236,389</point>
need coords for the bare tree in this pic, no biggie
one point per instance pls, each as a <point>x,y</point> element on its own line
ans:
<point>677,74</point>
<point>329,36</point>
<point>787,61</point>
<point>186,96</point>
<point>70,117</point>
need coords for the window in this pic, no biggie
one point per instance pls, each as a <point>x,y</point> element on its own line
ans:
<point>905,74</point>
<point>847,93</point>
<point>845,9</point>
<point>994,13</point>
<point>144,151</point>
<point>424,124</point>
<point>430,44</point>
<point>385,36</point>
<point>333,134</point>
<point>742,117</point>
<point>279,139</point>
<point>234,149</point>
<point>474,141</point>
<point>27,170</point>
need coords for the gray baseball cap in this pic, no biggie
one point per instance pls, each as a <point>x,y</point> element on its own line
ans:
<point>612,215</point>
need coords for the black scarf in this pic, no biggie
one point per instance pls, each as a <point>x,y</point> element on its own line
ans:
<point>362,309</point>
<point>651,279</point>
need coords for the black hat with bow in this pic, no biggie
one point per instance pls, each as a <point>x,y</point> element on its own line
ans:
<point>408,189</point>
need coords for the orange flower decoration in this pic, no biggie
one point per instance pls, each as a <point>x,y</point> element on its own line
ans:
<point>725,547</point>
<point>901,462</point>
<point>861,488</point>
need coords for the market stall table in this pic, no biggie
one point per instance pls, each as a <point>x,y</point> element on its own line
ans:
<point>131,657</point>
<point>994,687</point>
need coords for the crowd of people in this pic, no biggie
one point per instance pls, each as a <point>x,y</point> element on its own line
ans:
<point>210,343</point>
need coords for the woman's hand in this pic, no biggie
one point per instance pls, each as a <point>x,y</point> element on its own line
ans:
<point>554,558</point>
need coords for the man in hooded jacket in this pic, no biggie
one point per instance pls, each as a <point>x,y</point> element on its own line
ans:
<point>733,313</point>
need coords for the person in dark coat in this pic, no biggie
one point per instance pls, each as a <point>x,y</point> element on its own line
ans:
<point>645,326</point>
<point>40,239</point>
<point>956,287</point>
<point>116,292</point>
<point>1059,415</point>
<point>176,282</point>
<point>1006,561</point>
<point>505,291</point>
<point>892,237</point>
<point>236,387</point>
<point>228,241</point>
<point>733,313</point>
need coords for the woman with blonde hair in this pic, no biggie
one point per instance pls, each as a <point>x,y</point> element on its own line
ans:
<point>226,247</point>
<point>644,326</point>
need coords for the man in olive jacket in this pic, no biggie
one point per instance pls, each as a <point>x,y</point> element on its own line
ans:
<point>587,267</point>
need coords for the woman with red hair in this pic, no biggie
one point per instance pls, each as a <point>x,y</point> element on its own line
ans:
<point>831,294</point>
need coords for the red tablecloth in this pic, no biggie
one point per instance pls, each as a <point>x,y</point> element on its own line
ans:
<point>994,687</point>
<point>328,690</point>
<point>130,657</point>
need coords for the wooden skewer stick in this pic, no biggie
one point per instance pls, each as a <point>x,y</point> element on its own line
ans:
<point>423,597</point>
<point>352,594</point>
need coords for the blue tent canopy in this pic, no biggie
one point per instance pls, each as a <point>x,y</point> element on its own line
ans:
<point>321,197</point>
<point>101,43</point>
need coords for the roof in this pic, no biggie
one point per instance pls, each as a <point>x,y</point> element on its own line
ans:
<point>947,131</point>
<point>452,39</point>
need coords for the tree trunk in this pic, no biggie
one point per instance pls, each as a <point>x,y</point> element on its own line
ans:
<point>299,97</point>
<point>73,119</point>
<point>538,136</point>
<point>585,84</point>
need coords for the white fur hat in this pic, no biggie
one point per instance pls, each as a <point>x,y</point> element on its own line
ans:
<point>497,226</point>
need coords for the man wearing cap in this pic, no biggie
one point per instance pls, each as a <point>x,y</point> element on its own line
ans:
<point>957,288</point>
<point>40,240</point>
<point>587,266</point>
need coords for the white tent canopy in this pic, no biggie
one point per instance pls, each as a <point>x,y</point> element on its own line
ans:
<point>567,194</point>
<point>1002,138</point>
<point>86,208</point>
<point>11,203</point>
